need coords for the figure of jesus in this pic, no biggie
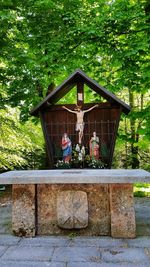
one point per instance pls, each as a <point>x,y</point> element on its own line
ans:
<point>80,119</point>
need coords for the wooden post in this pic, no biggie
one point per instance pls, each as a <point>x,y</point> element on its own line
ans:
<point>47,140</point>
<point>114,139</point>
<point>80,93</point>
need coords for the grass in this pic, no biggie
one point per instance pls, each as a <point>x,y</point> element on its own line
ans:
<point>141,190</point>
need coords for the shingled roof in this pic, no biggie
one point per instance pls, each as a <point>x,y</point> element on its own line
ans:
<point>69,83</point>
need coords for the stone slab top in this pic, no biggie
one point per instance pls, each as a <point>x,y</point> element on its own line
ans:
<point>75,176</point>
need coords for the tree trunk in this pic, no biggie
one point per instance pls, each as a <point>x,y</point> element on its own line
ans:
<point>134,137</point>
<point>126,146</point>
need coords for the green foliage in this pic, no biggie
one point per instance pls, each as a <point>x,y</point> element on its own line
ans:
<point>21,145</point>
<point>95,164</point>
<point>142,190</point>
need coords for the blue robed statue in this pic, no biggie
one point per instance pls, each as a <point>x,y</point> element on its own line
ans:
<point>66,147</point>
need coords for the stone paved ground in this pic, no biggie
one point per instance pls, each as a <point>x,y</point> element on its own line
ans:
<point>74,252</point>
<point>142,209</point>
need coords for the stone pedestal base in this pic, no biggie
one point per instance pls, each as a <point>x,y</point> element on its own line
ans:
<point>110,209</point>
<point>23,210</point>
<point>122,211</point>
<point>98,209</point>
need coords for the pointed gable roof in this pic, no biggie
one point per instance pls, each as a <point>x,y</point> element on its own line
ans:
<point>69,83</point>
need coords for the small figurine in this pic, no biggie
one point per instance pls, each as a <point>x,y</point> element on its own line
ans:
<point>83,151</point>
<point>80,116</point>
<point>94,146</point>
<point>66,148</point>
<point>80,156</point>
<point>77,148</point>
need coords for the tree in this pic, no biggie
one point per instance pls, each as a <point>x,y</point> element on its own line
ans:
<point>21,145</point>
<point>43,41</point>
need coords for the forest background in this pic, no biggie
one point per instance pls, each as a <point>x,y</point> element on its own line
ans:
<point>43,41</point>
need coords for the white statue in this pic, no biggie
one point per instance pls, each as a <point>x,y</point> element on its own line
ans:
<point>83,151</point>
<point>80,156</point>
<point>77,148</point>
<point>80,122</point>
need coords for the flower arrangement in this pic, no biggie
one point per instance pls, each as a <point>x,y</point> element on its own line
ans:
<point>94,163</point>
<point>62,164</point>
<point>78,155</point>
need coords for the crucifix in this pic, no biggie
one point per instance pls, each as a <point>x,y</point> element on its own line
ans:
<point>80,119</point>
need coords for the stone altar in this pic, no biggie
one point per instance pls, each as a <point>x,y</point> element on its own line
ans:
<point>87,202</point>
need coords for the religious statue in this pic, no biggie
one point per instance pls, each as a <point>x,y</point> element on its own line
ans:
<point>80,156</point>
<point>83,151</point>
<point>66,148</point>
<point>94,146</point>
<point>80,116</point>
<point>77,148</point>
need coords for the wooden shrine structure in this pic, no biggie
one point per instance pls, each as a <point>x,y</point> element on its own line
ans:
<point>104,119</point>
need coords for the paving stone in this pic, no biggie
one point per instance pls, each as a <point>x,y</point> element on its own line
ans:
<point>104,264</point>
<point>142,207</point>
<point>2,250</point>
<point>125,254</point>
<point>28,253</point>
<point>44,241</point>
<point>140,242</point>
<point>31,264</point>
<point>97,242</point>
<point>5,219</point>
<point>9,240</point>
<point>88,264</point>
<point>76,254</point>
